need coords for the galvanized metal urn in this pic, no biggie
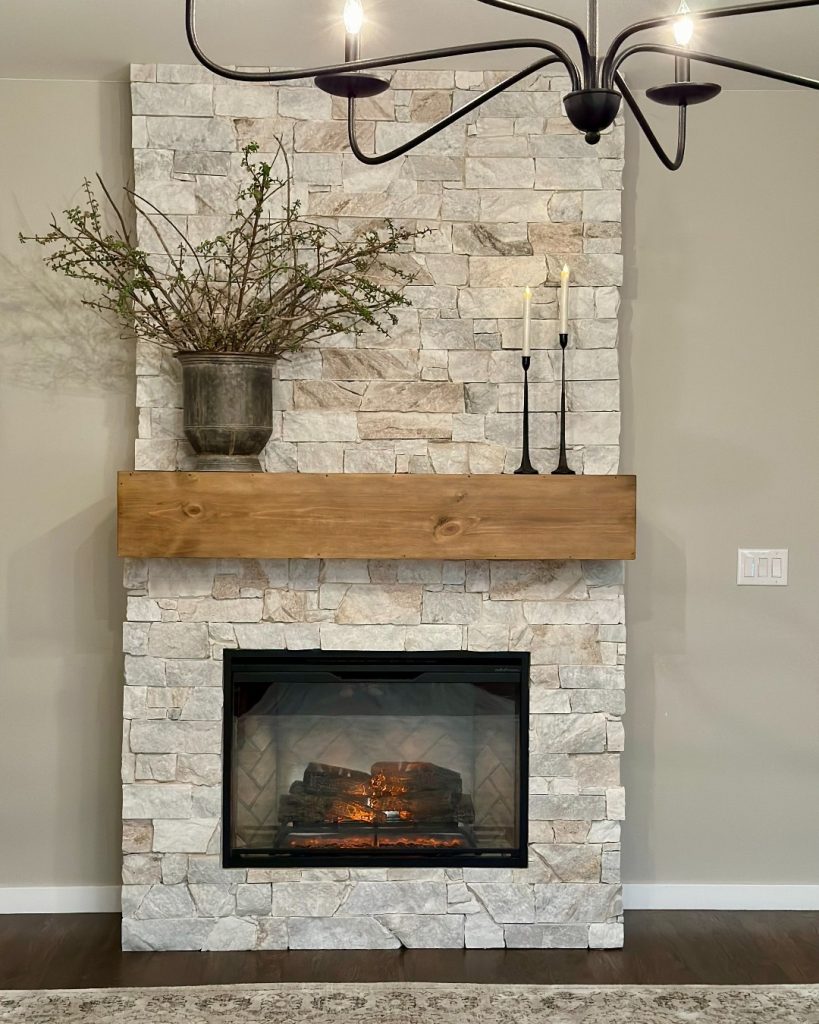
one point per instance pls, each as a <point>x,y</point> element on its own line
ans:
<point>227,408</point>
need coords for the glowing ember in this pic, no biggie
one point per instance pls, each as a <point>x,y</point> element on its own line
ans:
<point>392,841</point>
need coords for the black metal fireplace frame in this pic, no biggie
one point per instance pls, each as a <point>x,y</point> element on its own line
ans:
<point>364,662</point>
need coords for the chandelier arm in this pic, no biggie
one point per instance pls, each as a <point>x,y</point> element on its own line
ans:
<point>673,164</point>
<point>721,62</point>
<point>444,122</point>
<point>371,63</point>
<point>724,12</point>
<point>554,19</point>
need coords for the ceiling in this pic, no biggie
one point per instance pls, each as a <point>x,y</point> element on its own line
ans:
<point>97,39</point>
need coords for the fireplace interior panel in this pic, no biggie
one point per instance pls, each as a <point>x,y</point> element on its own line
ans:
<point>364,758</point>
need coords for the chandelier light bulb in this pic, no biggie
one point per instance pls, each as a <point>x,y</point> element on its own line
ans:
<point>684,25</point>
<point>353,16</point>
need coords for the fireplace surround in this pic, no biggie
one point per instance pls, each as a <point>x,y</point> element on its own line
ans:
<point>507,199</point>
<point>368,759</point>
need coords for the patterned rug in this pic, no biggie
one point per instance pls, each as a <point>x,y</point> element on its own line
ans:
<point>416,1004</point>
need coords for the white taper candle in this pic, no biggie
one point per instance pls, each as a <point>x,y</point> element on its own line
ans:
<point>565,274</point>
<point>527,320</point>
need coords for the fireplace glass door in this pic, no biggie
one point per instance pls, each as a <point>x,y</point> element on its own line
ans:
<point>365,759</point>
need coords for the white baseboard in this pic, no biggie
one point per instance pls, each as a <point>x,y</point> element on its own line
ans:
<point>67,899</point>
<point>673,896</point>
<point>105,899</point>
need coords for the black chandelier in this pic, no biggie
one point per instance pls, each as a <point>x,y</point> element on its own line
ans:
<point>598,87</point>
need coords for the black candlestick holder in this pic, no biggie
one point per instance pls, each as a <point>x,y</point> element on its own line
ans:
<point>526,468</point>
<point>562,465</point>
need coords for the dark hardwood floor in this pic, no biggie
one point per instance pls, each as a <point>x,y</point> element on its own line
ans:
<point>662,948</point>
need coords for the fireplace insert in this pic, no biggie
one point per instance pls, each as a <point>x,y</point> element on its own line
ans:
<point>362,759</point>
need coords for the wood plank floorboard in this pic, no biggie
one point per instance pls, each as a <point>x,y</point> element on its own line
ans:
<point>662,948</point>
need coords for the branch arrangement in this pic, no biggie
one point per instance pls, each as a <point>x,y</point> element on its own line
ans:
<point>267,285</point>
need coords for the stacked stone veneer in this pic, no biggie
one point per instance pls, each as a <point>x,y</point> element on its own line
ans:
<point>507,196</point>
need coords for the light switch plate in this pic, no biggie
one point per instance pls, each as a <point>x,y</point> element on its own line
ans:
<point>762,567</point>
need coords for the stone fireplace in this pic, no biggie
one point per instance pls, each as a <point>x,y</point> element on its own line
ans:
<point>507,197</point>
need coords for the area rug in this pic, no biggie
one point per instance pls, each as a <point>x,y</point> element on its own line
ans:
<point>416,1004</point>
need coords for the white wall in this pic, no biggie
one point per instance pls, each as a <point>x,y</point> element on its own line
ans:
<point>720,367</point>
<point>66,427</point>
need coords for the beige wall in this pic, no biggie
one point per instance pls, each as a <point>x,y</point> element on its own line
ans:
<point>66,426</point>
<point>720,373</point>
<point>720,424</point>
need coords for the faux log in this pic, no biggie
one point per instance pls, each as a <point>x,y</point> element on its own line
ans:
<point>347,515</point>
<point>409,777</point>
<point>334,781</point>
<point>308,808</point>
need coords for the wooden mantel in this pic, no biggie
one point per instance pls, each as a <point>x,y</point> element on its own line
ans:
<point>345,515</point>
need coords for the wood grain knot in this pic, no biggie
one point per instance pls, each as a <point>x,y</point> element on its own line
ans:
<point>446,528</point>
<point>192,509</point>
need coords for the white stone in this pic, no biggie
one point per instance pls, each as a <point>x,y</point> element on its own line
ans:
<point>154,768</point>
<point>615,736</point>
<point>308,899</point>
<point>242,99</point>
<point>418,931</point>
<point>434,638</point>
<point>304,104</point>
<point>514,206</point>
<point>214,900</point>
<point>172,901</point>
<point>481,932</point>
<point>606,936</point>
<point>253,899</point>
<point>576,902</point>
<point>319,426</point>
<point>272,933</point>
<point>374,898</point>
<point>260,635</point>
<point>164,99</point>
<point>156,801</point>
<point>178,640</point>
<point>604,832</point>
<point>506,902</point>
<point>374,604</point>
<point>448,608</point>
<point>199,769</point>
<point>339,933</point>
<point>566,807</point>
<point>500,172</point>
<point>141,671</point>
<point>206,609</point>
<point>191,836</point>
<point>191,133</point>
<point>193,673</point>
<point>141,869</point>
<point>573,734</point>
<point>538,936</point>
<point>616,803</point>
<point>146,936</point>
<point>206,801</point>
<point>169,737</point>
<point>231,933</point>
<point>598,677</point>
<point>613,702</point>
<point>602,205</point>
<point>367,638</point>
